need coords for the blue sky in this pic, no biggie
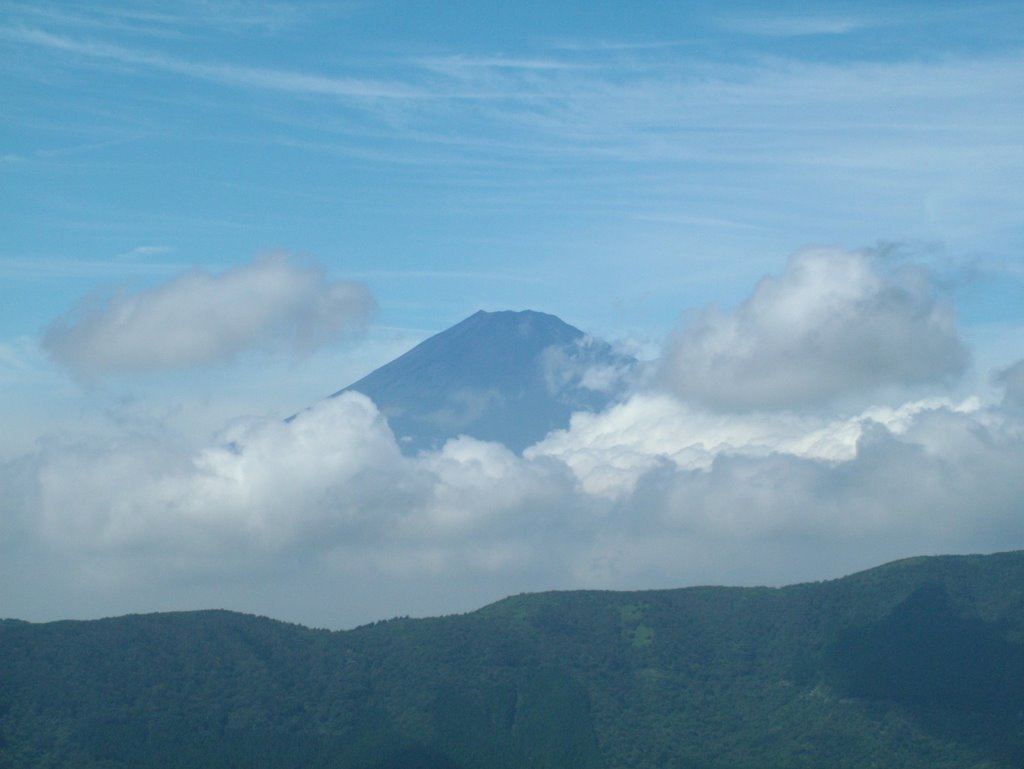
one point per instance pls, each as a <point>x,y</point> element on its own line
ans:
<point>399,165</point>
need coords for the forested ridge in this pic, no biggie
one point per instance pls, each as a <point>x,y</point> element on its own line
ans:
<point>919,663</point>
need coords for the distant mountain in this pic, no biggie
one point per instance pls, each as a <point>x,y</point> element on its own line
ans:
<point>918,664</point>
<point>505,376</point>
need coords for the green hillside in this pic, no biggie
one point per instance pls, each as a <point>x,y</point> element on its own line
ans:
<point>919,663</point>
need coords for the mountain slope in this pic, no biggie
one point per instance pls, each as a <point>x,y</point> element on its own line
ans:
<point>916,664</point>
<point>504,376</point>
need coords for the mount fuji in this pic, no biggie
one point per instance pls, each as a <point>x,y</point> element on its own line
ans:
<point>506,376</point>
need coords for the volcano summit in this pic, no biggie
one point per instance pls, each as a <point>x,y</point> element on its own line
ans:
<point>502,376</point>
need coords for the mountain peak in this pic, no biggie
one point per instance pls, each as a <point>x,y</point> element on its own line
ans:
<point>524,324</point>
<point>507,376</point>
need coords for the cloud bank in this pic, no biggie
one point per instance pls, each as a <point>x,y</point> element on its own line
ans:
<point>199,318</point>
<point>321,518</point>
<point>834,323</point>
<point>650,493</point>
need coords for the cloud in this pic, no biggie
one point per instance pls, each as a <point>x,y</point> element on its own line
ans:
<point>795,26</point>
<point>745,518</point>
<point>199,318</point>
<point>1012,379</point>
<point>776,498</point>
<point>834,323</point>
<point>650,493</point>
<point>43,267</point>
<point>590,364</point>
<point>331,476</point>
<point>657,490</point>
<point>226,74</point>
<point>610,452</point>
<point>264,486</point>
<point>171,20</point>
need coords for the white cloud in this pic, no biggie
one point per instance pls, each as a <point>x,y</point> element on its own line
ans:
<point>199,318</point>
<point>609,452</point>
<point>651,493</point>
<point>267,484</point>
<point>331,477</point>
<point>937,480</point>
<point>833,323</point>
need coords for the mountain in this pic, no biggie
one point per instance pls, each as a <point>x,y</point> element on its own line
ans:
<point>917,664</point>
<point>504,376</point>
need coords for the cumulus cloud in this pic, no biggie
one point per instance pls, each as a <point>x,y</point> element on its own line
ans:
<point>331,477</point>
<point>650,493</point>
<point>199,318</point>
<point>775,498</point>
<point>265,485</point>
<point>834,323</point>
<point>608,453</point>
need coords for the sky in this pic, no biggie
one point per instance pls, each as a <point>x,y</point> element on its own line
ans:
<point>805,218</point>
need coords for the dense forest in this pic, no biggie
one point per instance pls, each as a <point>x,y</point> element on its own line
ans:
<point>919,663</point>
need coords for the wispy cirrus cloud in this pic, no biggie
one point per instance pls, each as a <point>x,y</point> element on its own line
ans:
<point>635,106</point>
<point>120,266</point>
<point>142,252</point>
<point>49,153</point>
<point>795,25</point>
<point>225,74</point>
<point>171,19</point>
